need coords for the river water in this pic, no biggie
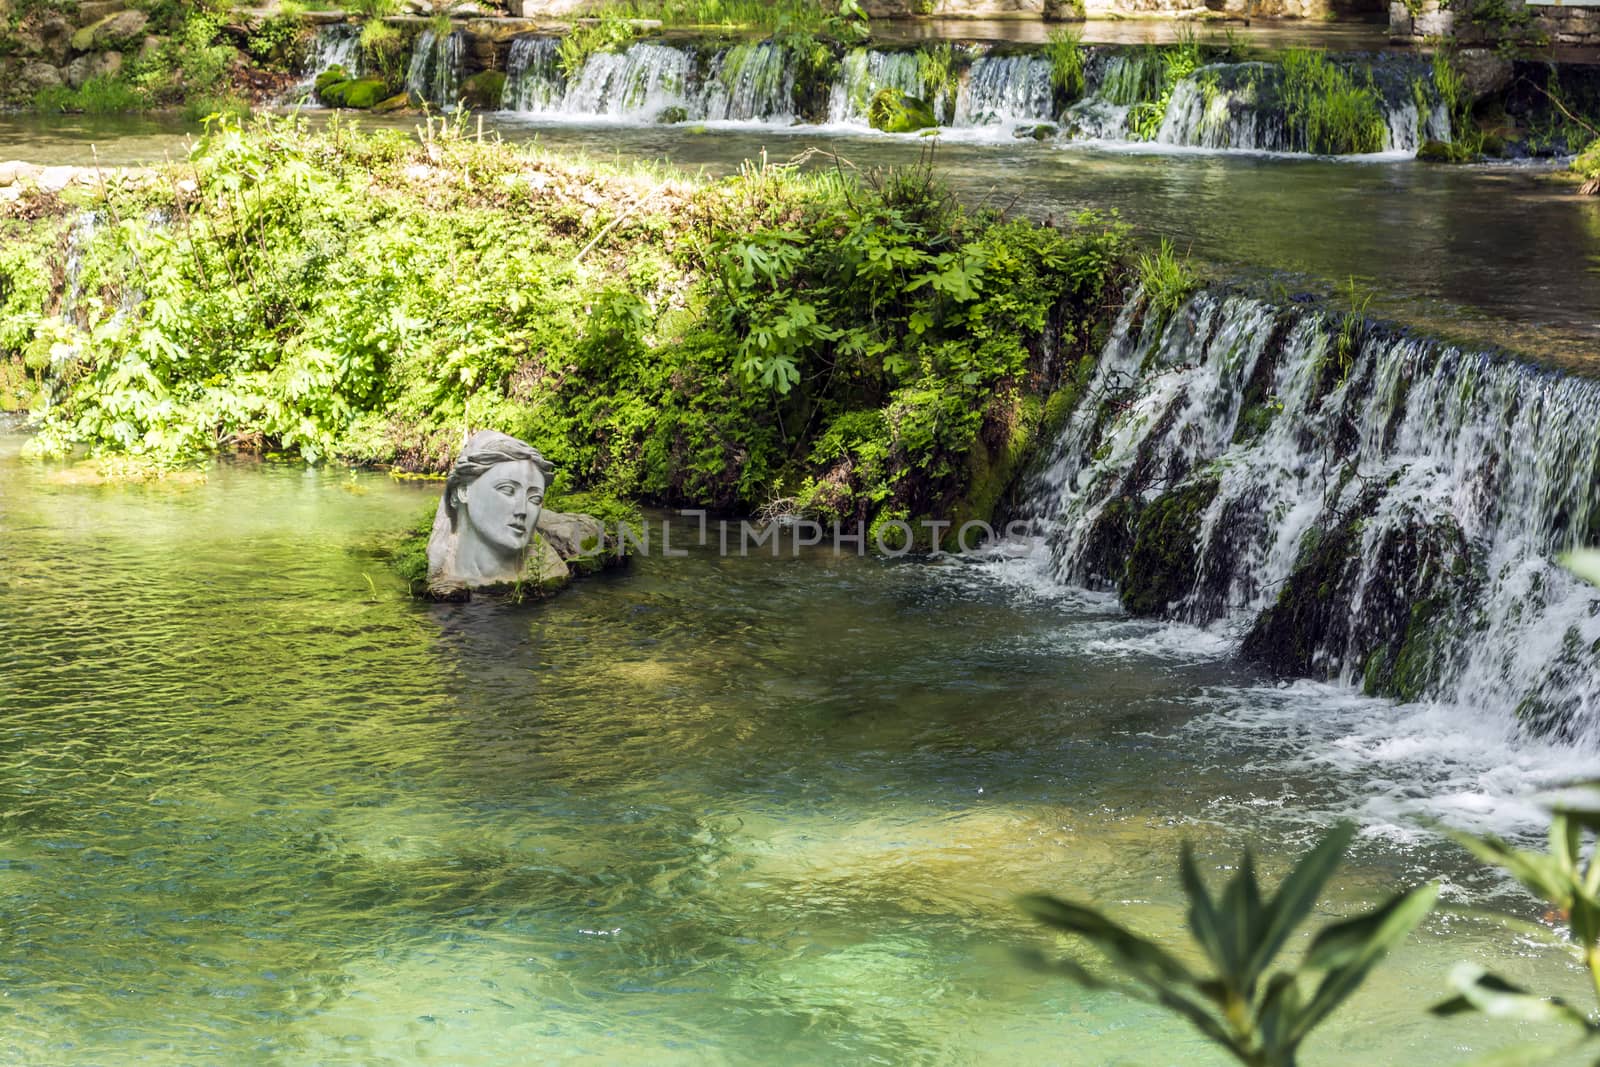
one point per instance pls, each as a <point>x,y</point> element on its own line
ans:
<point>1490,254</point>
<point>259,806</point>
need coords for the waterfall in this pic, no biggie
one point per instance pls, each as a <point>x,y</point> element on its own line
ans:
<point>863,73</point>
<point>1238,106</point>
<point>335,45</point>
<point>1000,90</point>
<point>1218,106</point>
<point>1345,500</point>
<point>533,77</point>
<point>435,71</point>
<point>746,82</point>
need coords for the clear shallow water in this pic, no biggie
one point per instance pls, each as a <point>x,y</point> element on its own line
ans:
<point>1490,254</point>
<point>256,805</point>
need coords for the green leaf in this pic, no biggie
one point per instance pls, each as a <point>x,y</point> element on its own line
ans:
<point>1203,922</point>
<point>1350,949</point>
<point>1539,872</point>
<point>1584,562</point>
<point>1240,921</point>
<point>1279,1011</point>
<point>1140,958</point>
<point>1479,990</point>
<point>1297,894</point>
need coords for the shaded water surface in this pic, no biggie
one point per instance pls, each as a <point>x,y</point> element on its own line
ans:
<point>257,805</point>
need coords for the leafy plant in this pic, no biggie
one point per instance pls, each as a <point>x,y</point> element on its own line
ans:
<point>384,51</point>
<point>278,42</point>
<point>1261,1019</point>
<point>939,76</point>
<point>1066,54</point>
<point>608,31</point>
<point>1176,62</point>
<point>1326,110</point>
<point>1167,279</point>
<point>336,293</point>
<point>1352,319</point>
<point>1567,877</point>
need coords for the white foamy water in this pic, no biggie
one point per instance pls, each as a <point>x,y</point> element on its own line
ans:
<point>1399,769</point>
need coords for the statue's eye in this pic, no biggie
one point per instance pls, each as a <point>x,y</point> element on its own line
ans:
<point>508,488</point>
<point>535,497</point>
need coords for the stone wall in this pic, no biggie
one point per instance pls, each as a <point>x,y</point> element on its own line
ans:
<point>50,48</point>
<point>1555,24</point>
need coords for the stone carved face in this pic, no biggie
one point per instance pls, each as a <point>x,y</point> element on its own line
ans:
<point>486,517</point>
<point>500,509</point>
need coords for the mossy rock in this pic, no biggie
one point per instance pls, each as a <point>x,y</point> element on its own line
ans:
<point>336,89</point>
<point>332,85</point>
<point>397,102</point>
<point>893,111</point>
<point>1161,568</point>
<point>671,116</point>
<point>482,91</point>
<point>1039,131</point>
<point>1438,152</point>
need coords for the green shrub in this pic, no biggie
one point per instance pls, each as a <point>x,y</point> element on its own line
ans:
<point>857,344</point>
<point>1587,167</point>
<point>608,31</point>
<point>893,111</point>
<point>105,95</point>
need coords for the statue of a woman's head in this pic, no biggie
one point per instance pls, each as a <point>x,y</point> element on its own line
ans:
<point>492,501</point>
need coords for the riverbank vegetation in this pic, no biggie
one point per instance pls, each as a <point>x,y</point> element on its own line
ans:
<point>822,342</point>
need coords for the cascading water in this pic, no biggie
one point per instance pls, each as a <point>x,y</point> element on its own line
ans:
<point>1345,500</point>
<point>1219,106</point>
<point>863,73</point>
<point>435,71</point>
<point>747,82</point>
<point>335,45</point>
<point>1239,106</point>
<point>1000,90</point>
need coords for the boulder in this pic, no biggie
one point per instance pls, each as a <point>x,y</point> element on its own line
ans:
<point>14,171</point>
<point>573,536</point>
<point>1483,72</point>
<point>336,88</point>
<point>55,179</point>
<point>113,31</point>
<point>52,36</point>
<point>482,91</point>
<point>1038,131</point>
<point>36,75</point>
<point>397,102</point>
<point>92,11</point>
<point>86,68</point>
<point>893,111</point>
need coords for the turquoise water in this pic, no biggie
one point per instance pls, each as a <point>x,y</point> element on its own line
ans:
<point>258,806</point>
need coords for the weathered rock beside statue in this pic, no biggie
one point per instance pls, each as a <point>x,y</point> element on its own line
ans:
<point>492,534</point>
